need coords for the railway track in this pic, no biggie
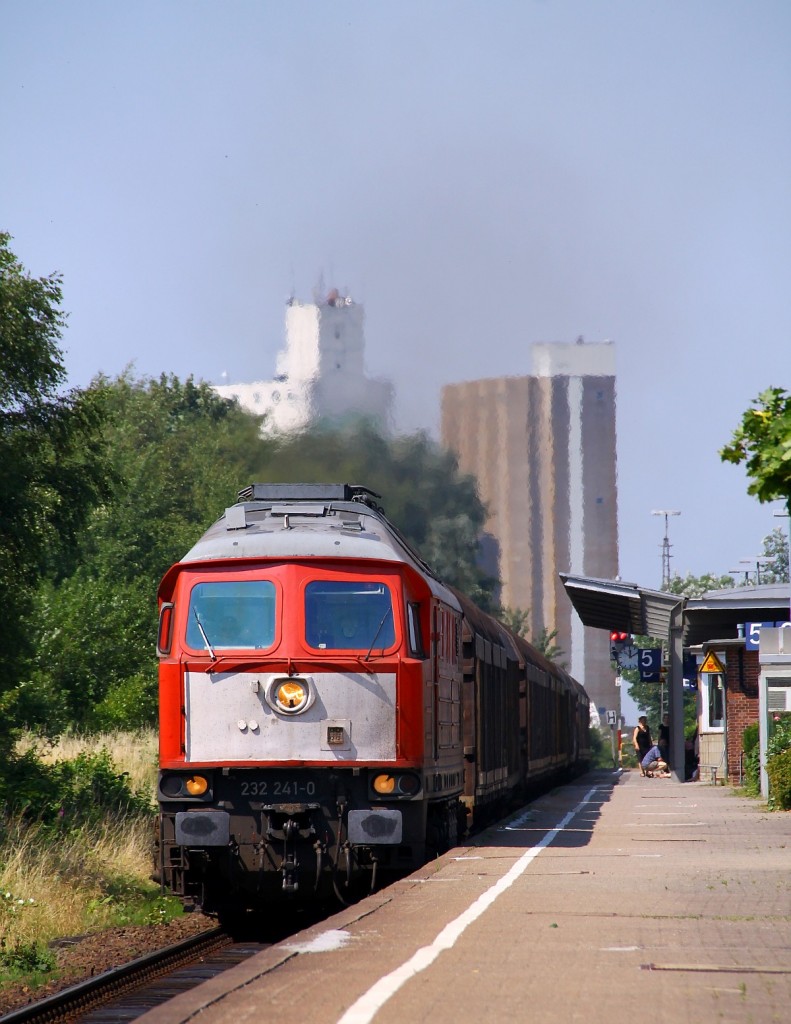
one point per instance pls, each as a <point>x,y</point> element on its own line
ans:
<point>128,991</point>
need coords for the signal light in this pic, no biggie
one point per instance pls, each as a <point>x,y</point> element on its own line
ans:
<point>618,640</point>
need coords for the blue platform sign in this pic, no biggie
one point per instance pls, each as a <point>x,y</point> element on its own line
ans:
<point>752,633</point>
<point>649,662</point>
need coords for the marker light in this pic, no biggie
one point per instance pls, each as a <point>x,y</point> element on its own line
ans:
<point>384,784</point>
<point>396,785</point>
<point>196,785</point>
<point>408,785</point>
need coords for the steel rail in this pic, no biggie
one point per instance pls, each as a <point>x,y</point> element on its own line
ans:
<point>79,999</point>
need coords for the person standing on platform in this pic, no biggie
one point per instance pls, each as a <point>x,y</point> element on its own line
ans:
<point>641,740</point>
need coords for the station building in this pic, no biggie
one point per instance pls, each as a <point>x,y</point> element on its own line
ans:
<point>740,639</point>
<point>739,682</point>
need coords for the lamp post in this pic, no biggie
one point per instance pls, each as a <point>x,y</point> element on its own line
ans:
<point>666,545</point>
<point>757,560</point>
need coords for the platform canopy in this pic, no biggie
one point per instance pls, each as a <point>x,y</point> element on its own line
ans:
<point>612,604</point>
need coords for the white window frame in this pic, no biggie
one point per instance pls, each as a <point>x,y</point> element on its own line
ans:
<point>707,678</point>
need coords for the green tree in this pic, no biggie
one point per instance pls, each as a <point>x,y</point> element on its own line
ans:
<point>52,461</point>
<point>778,762</point>
<point>517,620</point>
<point>763,443</point>
<point>179,455</point>
<point>695,586</point>
<point>545,642</point>
<point>775,568</point>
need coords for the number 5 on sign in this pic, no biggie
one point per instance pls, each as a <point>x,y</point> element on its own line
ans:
<point>752,634</point>
<point>649,662</point>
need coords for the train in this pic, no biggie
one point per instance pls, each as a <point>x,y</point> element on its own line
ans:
<point>331,714</point>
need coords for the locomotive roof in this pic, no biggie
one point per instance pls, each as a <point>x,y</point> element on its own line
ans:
<point>279,521</point>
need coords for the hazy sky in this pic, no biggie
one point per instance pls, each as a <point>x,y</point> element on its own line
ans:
<point>480,175</point>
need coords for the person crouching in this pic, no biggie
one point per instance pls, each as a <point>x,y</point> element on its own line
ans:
<point>654,764</point>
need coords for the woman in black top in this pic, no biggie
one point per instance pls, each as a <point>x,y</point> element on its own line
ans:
<point>641,740</point>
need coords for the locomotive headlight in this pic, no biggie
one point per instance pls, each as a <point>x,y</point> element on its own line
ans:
<point>196,785</point>
<point>289,695</point>
<point>384,784</point>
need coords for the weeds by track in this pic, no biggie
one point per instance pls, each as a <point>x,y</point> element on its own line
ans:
<point>87,997</point>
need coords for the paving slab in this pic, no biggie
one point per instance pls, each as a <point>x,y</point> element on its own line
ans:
<point>608,897</point>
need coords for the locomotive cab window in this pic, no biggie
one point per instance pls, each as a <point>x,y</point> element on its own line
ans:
<point>234,614</point>
<point>343,615</point>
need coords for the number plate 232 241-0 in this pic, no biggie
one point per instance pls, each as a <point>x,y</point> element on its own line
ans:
<point>277,790</point>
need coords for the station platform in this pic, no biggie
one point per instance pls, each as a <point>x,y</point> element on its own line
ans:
<point>617,897</point>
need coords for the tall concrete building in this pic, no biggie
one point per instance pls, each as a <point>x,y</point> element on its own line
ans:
<point>543,450</point>
<point>320,375</point>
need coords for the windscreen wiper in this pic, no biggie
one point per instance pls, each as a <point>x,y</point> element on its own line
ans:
<point>203,634</point>
<point>378,631</point>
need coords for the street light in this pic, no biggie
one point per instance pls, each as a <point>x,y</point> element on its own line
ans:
<point>666,545</point>
<point>758,560</point>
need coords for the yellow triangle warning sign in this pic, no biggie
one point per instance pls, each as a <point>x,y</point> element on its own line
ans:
<point>712,664</point>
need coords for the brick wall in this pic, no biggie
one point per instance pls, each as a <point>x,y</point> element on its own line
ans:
<point>741,703</point>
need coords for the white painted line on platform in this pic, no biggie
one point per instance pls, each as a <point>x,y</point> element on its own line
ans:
<point>665,824</point>
<point>468,858</point>
<point>370,1002</point>
<point>620,949</point>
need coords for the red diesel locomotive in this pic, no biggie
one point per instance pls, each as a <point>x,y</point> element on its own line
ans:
<point>331,712</point>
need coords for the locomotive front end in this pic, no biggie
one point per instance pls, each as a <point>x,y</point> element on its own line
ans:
<point>292,687</point>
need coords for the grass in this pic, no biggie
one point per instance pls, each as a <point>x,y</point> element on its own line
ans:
<point>58,881</point>
<point>134,753</point>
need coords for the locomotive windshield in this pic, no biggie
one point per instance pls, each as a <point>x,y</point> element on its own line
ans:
<point>348,616</point>
<point>238,614</point>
